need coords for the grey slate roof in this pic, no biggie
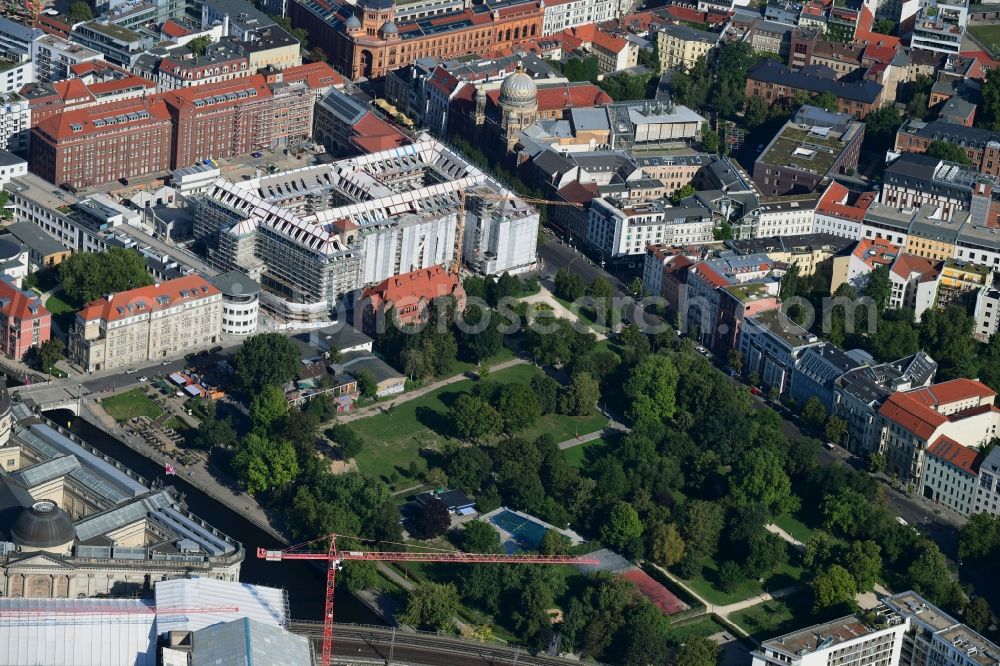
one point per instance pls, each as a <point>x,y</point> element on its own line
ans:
<point>245,641</point>
<point>770,71</point>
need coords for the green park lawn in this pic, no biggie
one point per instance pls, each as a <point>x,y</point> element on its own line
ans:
<point>793,524</point>
<point>989,35</point>
<point>706,583</point>
<point>778,617</point>
<point>395,439</point>
<point>700,628</point>
<point>581,454</point>
<point>130,404</point>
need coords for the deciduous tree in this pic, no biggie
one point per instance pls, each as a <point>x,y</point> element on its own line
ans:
<point>666,545</point>
<point>266,359</point>
<point>431,520</point>
<point>833,587</point>
<point>651,389</point>
<point>89,275</point>
<point>622,529</point>
<point>431,606</point>
<point>263,464</point>
<point>474,418</point>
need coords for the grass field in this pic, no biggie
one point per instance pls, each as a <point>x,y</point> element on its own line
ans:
<point>703,628</point>
<point>705,584</point>
<point>988,36</point>
<point>778,617</point>
<point>793,524</point>
<point>125,406</point>
<point>62,312</point>
<point>581,454</point>
<point>395,439</point>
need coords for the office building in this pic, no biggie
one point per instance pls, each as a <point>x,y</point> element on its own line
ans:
<point>240,302</point>
<point>815,145</point>
<point>557,15</point>
<point>163,320</point>
<point>366,40</point>
<point>771,345</point>
<point>15,123</point>
<point>119,46</point>
<point>24,321</point>
<point>315,234</point>
<point>619,228</point>
<point>913,180</point>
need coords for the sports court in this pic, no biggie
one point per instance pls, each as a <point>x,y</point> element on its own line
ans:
<point>520,531</point>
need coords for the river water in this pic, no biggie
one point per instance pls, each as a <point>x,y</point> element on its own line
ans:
<point>304,581</point>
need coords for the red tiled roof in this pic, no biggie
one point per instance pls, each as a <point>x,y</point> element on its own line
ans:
<point>876,252</point>
<point>952,391</point>
<point>428,283</point>
<point>563,96</point>
<point>962,457</point>
<point>578,192</point>
<point>60,126</point>
<point>609,43</point>
<point>372,134</point>
<point>153,298</point>
<point>315,74</point>
<point>184,97</point>
<point>710,276</point>
<point>20,305</point>
<point>908,264</point>
<point>171,28</point>
<point>912,415</point>
<point>72,90</point>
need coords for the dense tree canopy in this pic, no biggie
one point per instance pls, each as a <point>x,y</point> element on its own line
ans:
<point>86,276</point>
<point>266,359</point>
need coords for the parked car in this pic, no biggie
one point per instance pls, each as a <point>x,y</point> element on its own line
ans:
<point>830,445</point>
<point>130,371</point>
<point>167,362</point>
<point>143,378</point>
<point>755,390</point>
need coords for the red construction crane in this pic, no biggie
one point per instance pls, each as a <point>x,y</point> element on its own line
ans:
<point>334,557</point>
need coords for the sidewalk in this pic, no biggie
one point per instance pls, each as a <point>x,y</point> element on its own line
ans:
<point>546,297</point>
<point>378,408</point>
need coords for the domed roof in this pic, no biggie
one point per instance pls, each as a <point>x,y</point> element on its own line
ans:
<point>518,89</point>
<point>9,249</point>
<point>353,23</point>
<point>43,525</point>
<point>389,28</point>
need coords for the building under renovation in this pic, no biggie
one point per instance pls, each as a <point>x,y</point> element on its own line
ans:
<point>74,523</point>
<point>319,233</point>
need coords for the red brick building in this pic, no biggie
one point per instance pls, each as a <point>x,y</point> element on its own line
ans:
<point>101,144</point>
<point>774,82</point>
<point>83,147</point>
<point>364,40</point>
<point>94,83</point>
<point>980,145</point>
<point>409,296</point>
<point>24,322</point>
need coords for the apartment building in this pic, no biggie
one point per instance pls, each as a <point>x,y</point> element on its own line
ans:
<point>913,180</point>
<point>859,394</point>
<point>939,25</point>
<point>840,213</point>
<point>119,46</point>
<point>905,630</point>
<point>771,344</point>
<point>558,15</point>
<point>910,422</point>
<point>950,474</point>
<point>853,266</point>
<point>980,145</point>
<point>163,320</point>
<point>914,282</point>
<point>24,321</point>
<point>775,82</point>
<point>987,311</point>
<point>851,640</point>
<point>680,46</point>
<point>53,56</point>
<point>15,123</point>
<point>792,215</point>
<point>987,491</point>
<point>621,228</point>
<point>613,53</point>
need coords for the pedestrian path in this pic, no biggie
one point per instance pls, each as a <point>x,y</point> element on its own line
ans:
<point>373,410</point>
<point>774,529</point>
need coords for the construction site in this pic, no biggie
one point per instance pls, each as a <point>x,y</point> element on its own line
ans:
<point>316,234</point>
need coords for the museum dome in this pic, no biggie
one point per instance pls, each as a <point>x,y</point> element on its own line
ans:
<point>43,525</point>
<point>518,89</point>
<point>353,23</point>
<point>389,28</point>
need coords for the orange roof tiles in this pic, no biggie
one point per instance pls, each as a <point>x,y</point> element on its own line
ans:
<point>427,283</point>
<point>609,42</point>
<point>962,457</point>
<point>912,415</point>
<point>173,29</point>
<point>876,252</point>
<point>20,305</point>
<point>153,298</point>
<point>61,126</point>
<point>315,74</point>
<point>563,96</point>
<point>955,390</point>
<point>834,202</point>
<point>908,264</point>
<point>372,134</point>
